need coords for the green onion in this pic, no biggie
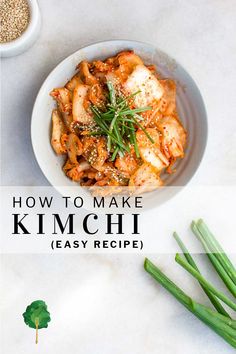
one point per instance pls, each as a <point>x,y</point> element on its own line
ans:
<point>218,324</point>
<point>219,321</point>
<point>112,93</point>
<point>119,122</point>
<point>136,110</point>
<point>225,319</point>
<point>157,274</point>
<point>144,130</point>
<point>204,282</point>
<point>123,101</point>
<point>215,262</point>
<point>215,302</point>
<point>214,247</point>
<point>115,153</point>
<point>211,319</point>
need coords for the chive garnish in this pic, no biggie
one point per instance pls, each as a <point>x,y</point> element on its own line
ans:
<point>118,122</point>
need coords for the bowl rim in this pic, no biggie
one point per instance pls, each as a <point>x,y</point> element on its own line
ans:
<point>28,32</point>
<point>60,187</point>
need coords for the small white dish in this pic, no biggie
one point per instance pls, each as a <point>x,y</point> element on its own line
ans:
<point>28,37</point>
<point>190,107</point>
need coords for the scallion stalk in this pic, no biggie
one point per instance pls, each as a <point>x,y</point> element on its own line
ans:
<point>215,248</point>
<point>212,320</point>
<point>214,259</point>
<point>204,282</point>
<point>215,302</point>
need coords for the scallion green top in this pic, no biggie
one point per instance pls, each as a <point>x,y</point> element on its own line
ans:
<point>119,123</point>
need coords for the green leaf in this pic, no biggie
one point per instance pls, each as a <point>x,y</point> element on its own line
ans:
<point>37,316</point>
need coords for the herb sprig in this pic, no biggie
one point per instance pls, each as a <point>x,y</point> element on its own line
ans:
<point>219,321</point>
<point>119,123</point>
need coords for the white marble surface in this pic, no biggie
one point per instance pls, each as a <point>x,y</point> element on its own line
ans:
<point>102,304</point>
<point>199,34</point>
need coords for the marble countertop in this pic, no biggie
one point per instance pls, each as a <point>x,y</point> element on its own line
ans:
<point>197,34</point>
<point>102,304</point>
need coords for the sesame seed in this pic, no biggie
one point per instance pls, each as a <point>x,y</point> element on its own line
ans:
<point>15,16</point>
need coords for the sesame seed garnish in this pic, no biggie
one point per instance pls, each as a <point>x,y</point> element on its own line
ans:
<point>15,16</point>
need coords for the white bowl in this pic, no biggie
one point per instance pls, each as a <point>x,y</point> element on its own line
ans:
<point>28,37</point>
<point>189,104</point>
